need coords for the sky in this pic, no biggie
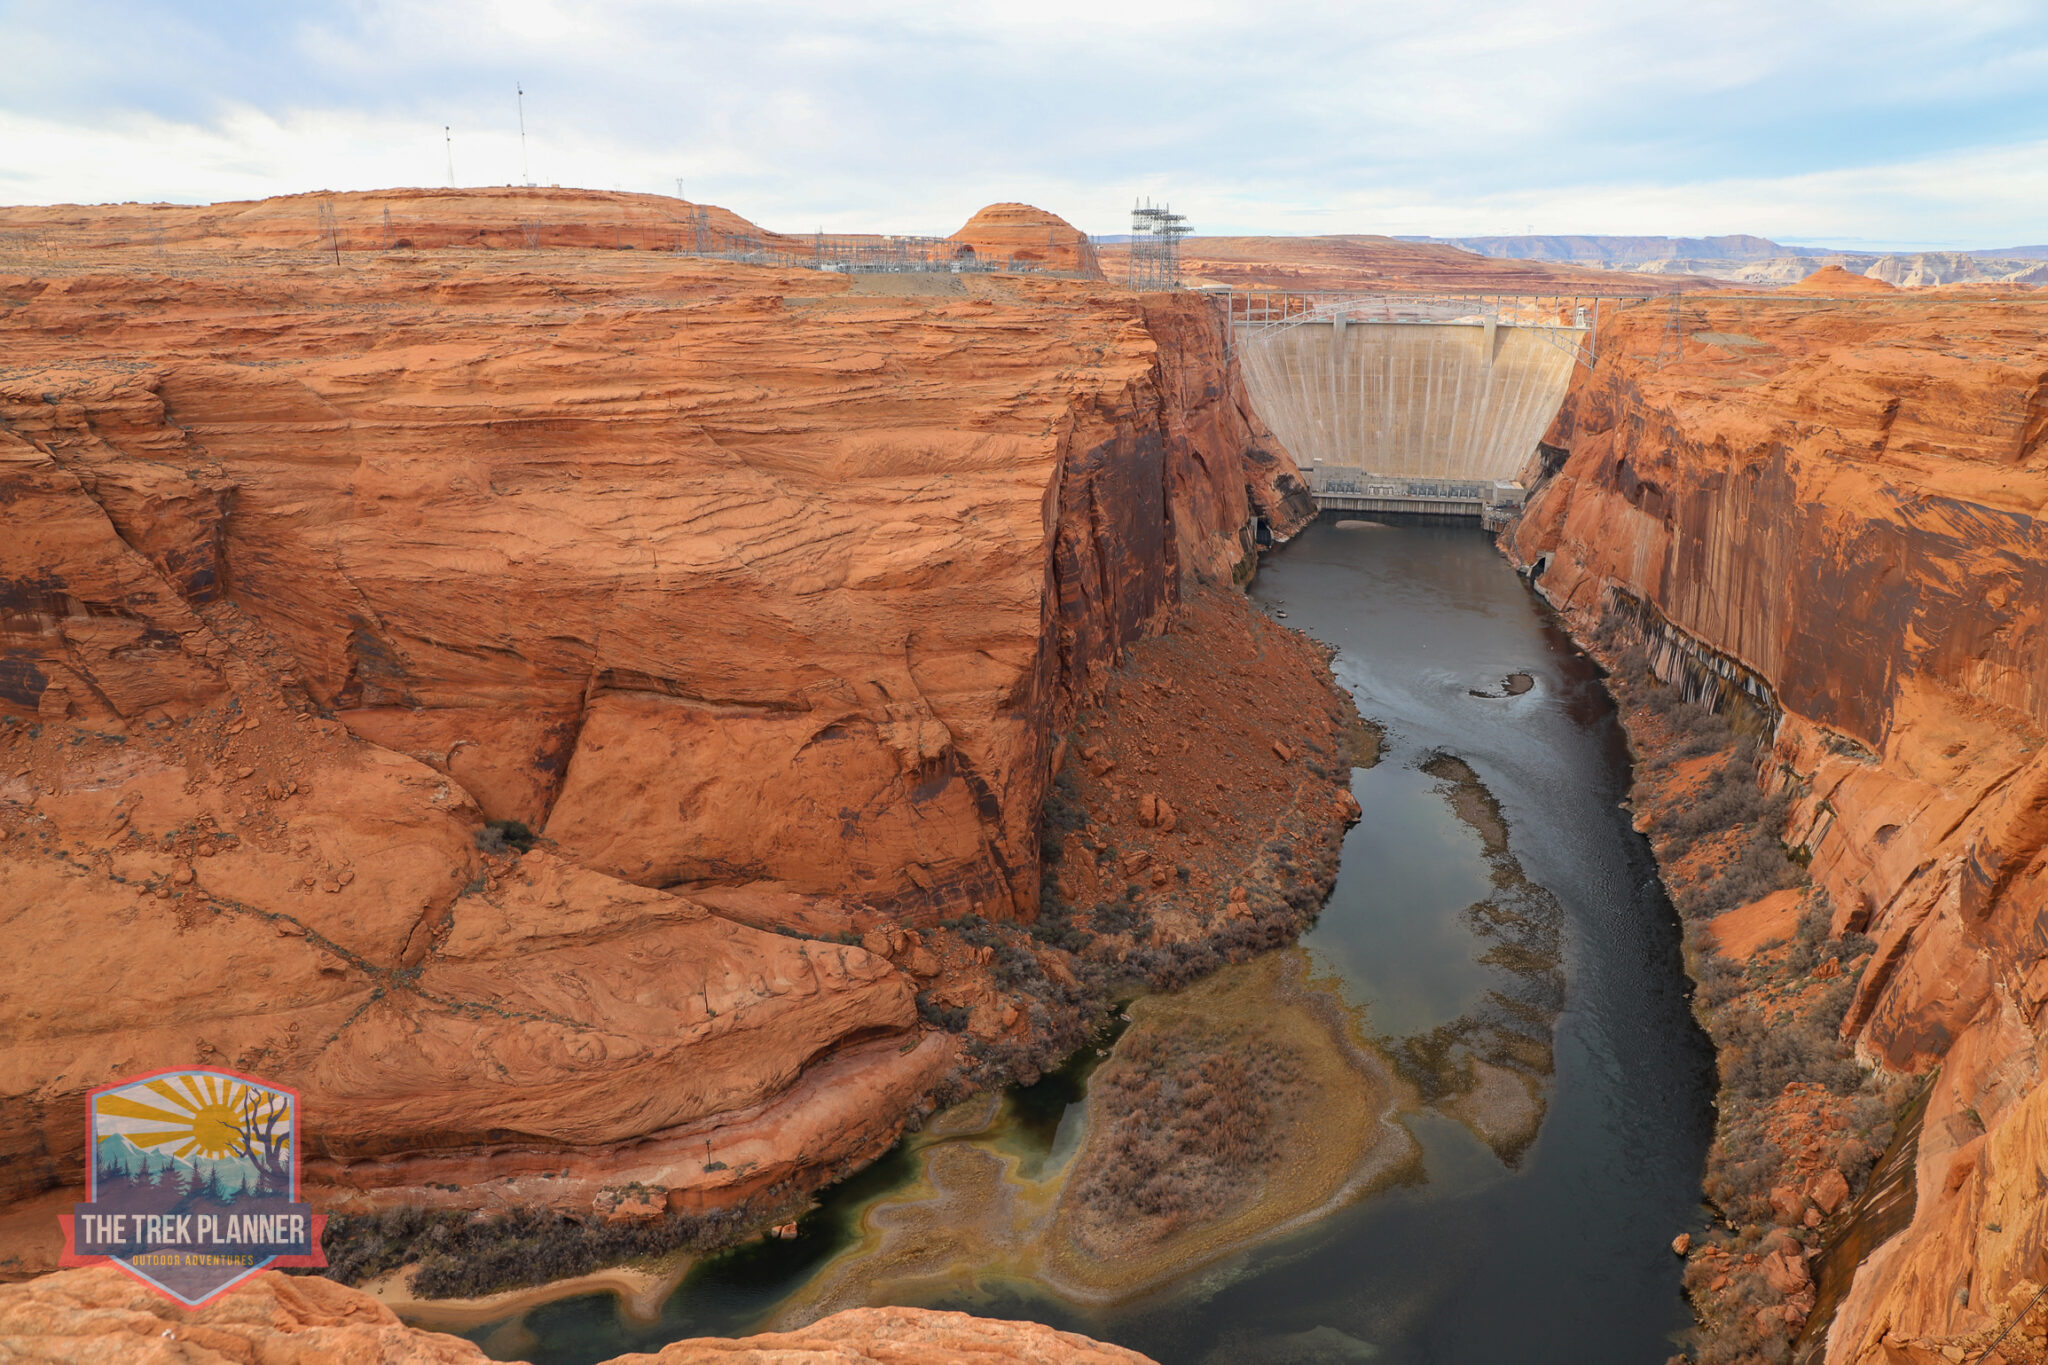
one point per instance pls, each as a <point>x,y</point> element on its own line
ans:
<point>1874,124</point>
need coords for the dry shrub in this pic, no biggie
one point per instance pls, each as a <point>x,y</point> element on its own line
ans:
<point>460,1255</point>
<point>1193,1114</point>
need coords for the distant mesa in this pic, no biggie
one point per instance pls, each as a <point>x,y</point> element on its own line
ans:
<point>1029,236</point>
<point>498,217</point>
<point>1370,263</point>
<point>1833,279</point>
<point>1749,260</point>
<point>503,218</point>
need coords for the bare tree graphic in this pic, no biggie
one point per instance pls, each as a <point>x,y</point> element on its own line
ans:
<point>263,1137</point>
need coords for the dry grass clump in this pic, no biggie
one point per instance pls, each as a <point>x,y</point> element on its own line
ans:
<point>462,1255</point>
<point>1194,1116</point>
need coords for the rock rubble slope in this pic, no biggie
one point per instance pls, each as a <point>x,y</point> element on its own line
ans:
<point>757,596</point>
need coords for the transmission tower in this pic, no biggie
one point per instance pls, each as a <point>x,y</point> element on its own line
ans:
<point>448,136</point>
<point>329,229</point>
<point>524,174</point>
<point>1671,349</point>
<point>1155,246</point>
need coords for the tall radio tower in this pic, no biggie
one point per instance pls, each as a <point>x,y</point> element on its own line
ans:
<point>524,174</point>
<point>448,136</point>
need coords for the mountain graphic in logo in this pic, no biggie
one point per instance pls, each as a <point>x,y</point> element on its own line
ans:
<point>194,1183</point>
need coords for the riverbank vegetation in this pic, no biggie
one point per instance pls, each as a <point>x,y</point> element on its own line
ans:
<point>1228,1110</point>
<point>456,1254</point>
<point>1800,1121</point>
<point>1193,1116</point>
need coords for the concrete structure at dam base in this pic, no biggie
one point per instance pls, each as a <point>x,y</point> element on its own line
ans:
<point>1350,489</point>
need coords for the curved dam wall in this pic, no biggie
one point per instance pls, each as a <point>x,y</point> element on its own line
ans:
<point>1464,401</point>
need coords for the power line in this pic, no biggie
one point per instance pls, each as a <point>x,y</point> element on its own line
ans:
<point>1996,1341</point>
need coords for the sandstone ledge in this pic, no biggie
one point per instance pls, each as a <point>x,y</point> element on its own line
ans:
<point>101,1315</point>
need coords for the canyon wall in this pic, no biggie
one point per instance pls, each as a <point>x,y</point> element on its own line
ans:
<point>753,597</point>
<point>1846,500</point>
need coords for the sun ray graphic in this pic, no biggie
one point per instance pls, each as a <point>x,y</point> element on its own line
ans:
<point>203,1115</point>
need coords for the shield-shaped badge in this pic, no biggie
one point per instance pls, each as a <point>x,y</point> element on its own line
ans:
<point>193,1183</point>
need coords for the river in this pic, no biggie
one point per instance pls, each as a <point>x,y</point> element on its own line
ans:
<point>1563,1254</point>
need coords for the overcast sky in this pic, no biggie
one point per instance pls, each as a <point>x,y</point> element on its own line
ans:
<point>1879,122</point>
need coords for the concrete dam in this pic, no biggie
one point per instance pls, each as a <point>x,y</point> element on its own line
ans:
<point>1411,403</point>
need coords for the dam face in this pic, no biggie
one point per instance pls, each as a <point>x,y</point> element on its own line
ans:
<point>1417,416</point>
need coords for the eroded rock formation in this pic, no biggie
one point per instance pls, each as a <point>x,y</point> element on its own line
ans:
<point>274,1319</point>
<point>1028,236</point>
<point>1838,506</point>
<point>757,594</point>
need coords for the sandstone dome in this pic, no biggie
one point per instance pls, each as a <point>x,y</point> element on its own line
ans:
<point>1029,236</point>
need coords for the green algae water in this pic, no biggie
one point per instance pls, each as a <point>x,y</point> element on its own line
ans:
<point>1553,1246</point>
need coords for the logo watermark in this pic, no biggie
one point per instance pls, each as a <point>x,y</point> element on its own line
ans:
<point>194,1183</point>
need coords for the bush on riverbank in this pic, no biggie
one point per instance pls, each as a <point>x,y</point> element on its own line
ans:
<point>462,1255</point>
<point>1193,1122</point>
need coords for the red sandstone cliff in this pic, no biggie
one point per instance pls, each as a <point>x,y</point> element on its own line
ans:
<point>758,594</point>
<point>1847,500</point>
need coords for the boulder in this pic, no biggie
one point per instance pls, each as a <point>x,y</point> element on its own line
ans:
<point>1829,1189</point>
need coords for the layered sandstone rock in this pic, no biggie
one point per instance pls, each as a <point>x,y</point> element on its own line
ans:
<point>1844,501</point>
<point>756,595</point>
<point>491,217</point>
<point>1023,235</point>
<point>274,1319</point>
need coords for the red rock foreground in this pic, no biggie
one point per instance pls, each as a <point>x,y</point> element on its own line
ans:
<point>1839,507</point>
<point>759,596</point>
<point>275,1319</point>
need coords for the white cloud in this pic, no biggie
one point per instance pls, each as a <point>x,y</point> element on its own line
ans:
<point>1883,118</point>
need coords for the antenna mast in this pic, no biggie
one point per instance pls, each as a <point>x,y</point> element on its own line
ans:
<point>524,174</point>
<point>448,135</point>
